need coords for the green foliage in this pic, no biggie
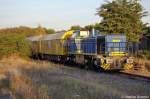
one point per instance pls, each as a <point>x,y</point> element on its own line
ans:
<point>39,30</point>
<point>13,40</point>
<point>14,44</point>
<point>147,30</point>
<point>89,27</point>
<point>76,27</point>
<point>96,26</point>
<point>122,16</point>
<point>27,31</point>
<point>50,31</point>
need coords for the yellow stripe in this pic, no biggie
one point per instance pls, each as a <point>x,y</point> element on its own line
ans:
<point>103,66</point>
<point>115,41</point>
<point>108,67</point>
<point>118,54</point>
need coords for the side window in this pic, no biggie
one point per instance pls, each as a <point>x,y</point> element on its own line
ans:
<point>49,44</point>
<point>34,44</point>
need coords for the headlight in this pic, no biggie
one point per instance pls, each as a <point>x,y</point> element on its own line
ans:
<point>130,60</point>
<point>109,60</point>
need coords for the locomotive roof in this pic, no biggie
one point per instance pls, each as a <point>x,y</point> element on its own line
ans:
<point>35,38</point>
<point>53,36</point>
<point>58,35</point>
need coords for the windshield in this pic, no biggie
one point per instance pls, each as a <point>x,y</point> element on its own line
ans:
<point>116,47</point>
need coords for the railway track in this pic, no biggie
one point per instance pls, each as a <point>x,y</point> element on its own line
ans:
<point>135,76</point>
<point>128,75</point>
<point>117,73</point>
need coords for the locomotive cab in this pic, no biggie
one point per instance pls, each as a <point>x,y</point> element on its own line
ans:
<point>112,51</point>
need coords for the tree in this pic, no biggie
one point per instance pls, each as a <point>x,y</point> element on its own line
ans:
<point>40,30</point>
<point>122,17</point>
<point>147,30</point>
<point>89,27</point>
<point>13,40</point>
<point>97,26</point>
<point>75,27</point>
<point>50,31</point>
<point>27,31</point>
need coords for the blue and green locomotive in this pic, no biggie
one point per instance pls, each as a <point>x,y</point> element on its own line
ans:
<point>107,52</point>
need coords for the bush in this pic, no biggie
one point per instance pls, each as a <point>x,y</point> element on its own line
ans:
<point>144,54</point>
<point>14,44</point>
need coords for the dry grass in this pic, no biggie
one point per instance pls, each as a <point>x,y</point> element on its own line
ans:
<point>24,79</point>
<point>142,64</point>
<point>27,79</point>
<point>141,67</point>
<point>17,84</point>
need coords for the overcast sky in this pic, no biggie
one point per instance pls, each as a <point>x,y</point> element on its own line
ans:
<point>57,14</point>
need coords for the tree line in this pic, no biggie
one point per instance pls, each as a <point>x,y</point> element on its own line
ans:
<point>27,31</point>
<point>13,40</point>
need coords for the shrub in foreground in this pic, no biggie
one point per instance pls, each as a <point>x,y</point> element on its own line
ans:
<point>14,44</point>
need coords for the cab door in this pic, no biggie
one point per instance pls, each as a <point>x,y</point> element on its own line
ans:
<point>101,45</point>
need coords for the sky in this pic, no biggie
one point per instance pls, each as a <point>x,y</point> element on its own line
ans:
<point>56,14</point>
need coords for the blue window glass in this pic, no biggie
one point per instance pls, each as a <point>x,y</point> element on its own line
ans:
<point>49,44</point>
<point>116,47</point>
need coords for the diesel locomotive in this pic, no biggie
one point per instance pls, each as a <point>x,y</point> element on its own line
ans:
<point>89,49</point>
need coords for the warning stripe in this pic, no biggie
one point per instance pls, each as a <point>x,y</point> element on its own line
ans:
<point>108,67</point>
<point>128,66</point>
<point>104,66</point>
